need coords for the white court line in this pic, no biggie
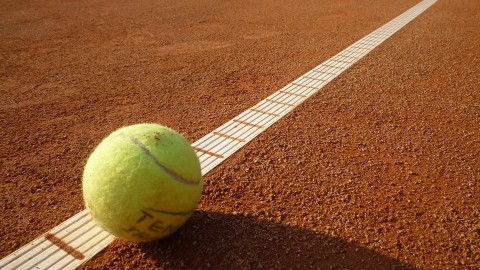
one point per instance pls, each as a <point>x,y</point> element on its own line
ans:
<point>82,238</point>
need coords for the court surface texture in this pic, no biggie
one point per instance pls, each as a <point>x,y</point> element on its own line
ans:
<point>374,163</point>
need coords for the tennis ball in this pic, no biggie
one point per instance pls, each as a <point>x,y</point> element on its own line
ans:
<point>142,182</point>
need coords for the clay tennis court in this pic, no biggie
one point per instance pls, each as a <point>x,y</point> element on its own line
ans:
<point>378,170</point>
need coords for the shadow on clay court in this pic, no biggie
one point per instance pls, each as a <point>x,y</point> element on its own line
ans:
<point>212,240</point>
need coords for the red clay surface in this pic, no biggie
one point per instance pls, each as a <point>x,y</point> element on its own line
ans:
<point>381,169</point>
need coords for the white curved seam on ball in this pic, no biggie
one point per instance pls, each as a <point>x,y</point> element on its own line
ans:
<point>155,161</point>
<point>170,212</point>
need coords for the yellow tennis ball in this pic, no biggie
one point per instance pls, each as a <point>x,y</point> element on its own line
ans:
<point>142,182</point>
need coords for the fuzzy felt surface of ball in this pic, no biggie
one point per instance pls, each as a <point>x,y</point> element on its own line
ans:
<point>142,182</point>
